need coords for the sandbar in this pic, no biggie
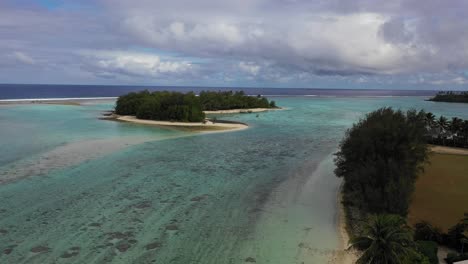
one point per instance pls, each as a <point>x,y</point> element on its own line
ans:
<point>208,125</point>
<point>240,111</point>
<point>448,150</point>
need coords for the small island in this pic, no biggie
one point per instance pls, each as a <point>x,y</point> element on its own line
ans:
<point>450,97</point>
<point>187,110</point>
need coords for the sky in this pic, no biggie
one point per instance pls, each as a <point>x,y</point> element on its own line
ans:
<point>398,44</point>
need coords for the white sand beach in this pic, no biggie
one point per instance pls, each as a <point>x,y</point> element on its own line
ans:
<point>448,150</point>
<point>240,111</point>
<point>343,255</point>
<point>198,126</point>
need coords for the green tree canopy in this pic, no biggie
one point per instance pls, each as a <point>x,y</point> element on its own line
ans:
<point>380,158</point>
<point>169,106</point>
<point>213,101</point>
<point>451,97</point>
<point>186,107</point>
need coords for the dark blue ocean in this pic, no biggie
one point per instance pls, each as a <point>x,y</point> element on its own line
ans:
<point>29,91</point>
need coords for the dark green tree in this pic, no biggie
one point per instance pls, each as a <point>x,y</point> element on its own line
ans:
<point>452,97</point>
<point>430,119</point>
<point>457,235</point>
<point>380,158</point>
<point>443,122</point>
<point>232,100</point>
<point>426,231</point>
<point>166,106</point>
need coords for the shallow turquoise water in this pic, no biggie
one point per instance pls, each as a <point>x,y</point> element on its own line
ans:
<point>266,193</point>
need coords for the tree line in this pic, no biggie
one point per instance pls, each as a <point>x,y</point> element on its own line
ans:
<point>212,101</point>
<point>185,107</point>
<point>446,132</point>
<point>388,239</point>
<point>379,159</point>
<point>451,97</point>
<point>456,237</point>
<point>165,106</point>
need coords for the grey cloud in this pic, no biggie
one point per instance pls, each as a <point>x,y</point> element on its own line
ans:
<point>272,39</point>
<point>361,36</point>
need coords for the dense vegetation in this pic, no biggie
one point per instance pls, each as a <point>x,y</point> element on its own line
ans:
<point>456,237</point>
<point>380,158</point>
<point>175,106</point>
<point>451,97</point>
<point>445,132</point>
<point>212,101</point>
<point>387,239</point>
<point>169,106</point>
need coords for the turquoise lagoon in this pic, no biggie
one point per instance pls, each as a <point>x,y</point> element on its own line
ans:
<point>77,189</point>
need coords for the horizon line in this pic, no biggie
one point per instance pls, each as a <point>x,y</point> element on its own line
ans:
<point>234,87</point>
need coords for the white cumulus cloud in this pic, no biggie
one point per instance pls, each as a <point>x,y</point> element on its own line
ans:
<point>249,67</point>
<point>23,58</point>
<point>134,63</point>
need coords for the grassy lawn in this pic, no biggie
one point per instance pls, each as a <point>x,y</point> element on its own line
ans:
<point>441,195</point>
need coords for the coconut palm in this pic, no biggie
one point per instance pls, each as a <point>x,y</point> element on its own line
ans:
<point>456,125</point>
<point>465,133</point>
<point>429,119</point>
<point>426,231</point>
<point>387,240</point>
<point>442,122</point>
<point>464,239</point>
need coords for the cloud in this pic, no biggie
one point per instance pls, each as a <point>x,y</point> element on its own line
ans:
<point>23,58</point>
<point>249,67</point>
<point>254,42</point>
<point>336,38</point>
<point>109,63</point>
<point>453,81</point>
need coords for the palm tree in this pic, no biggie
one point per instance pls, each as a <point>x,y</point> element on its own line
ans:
<point>442,122</point>
<point>426,231</point>
<point>465,133</point>
<point>464,240</point>
<point>456,124</point>
<point>387,240</point>
<point>429,119</point>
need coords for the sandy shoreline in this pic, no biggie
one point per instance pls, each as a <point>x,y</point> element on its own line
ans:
<point>448,150</point>
<point>240,111</point>
<point>207,126</point>
<point>343,254</point>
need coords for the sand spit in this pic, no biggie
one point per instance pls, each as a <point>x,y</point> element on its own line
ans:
<point>240,111</point>
<point>449,150</point>
<point>194,126</point>
<point>343,255</point>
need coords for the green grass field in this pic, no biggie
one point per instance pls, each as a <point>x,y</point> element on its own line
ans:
<point>441,195</point>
